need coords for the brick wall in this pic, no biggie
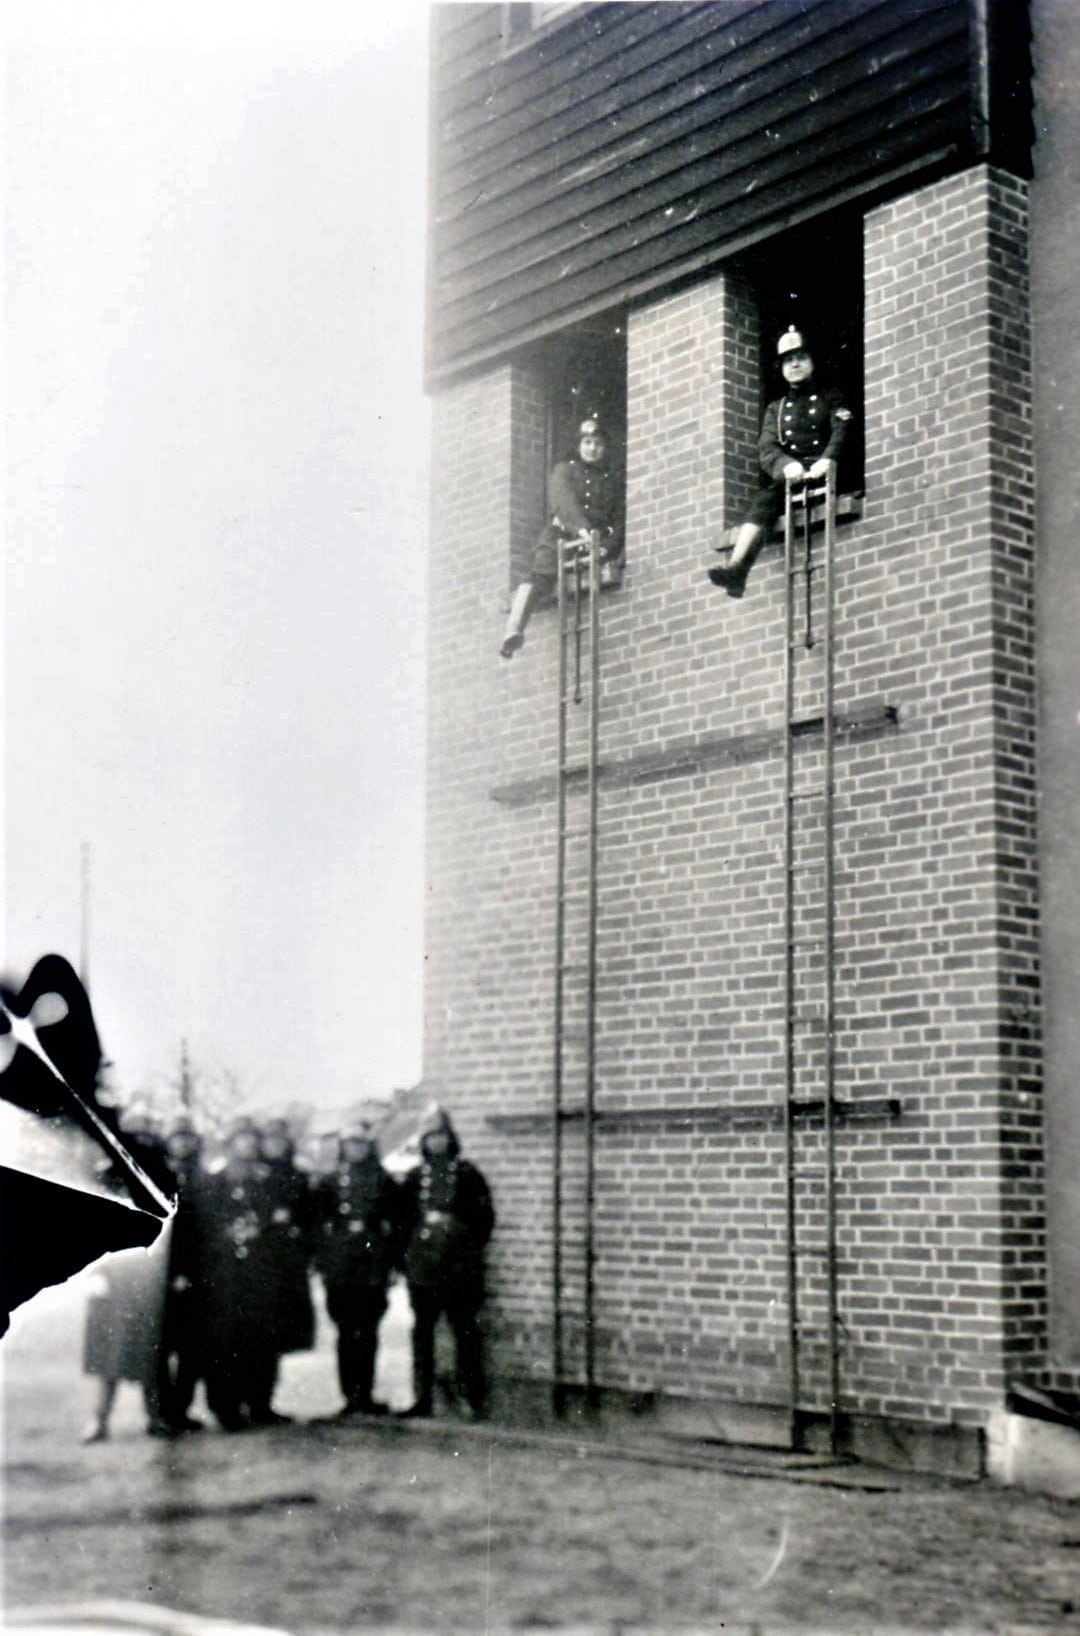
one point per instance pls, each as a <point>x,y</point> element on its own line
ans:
<point>948,541</point>
<point>939,1273</point>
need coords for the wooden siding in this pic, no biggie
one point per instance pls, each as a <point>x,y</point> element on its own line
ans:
<point>634,145</point>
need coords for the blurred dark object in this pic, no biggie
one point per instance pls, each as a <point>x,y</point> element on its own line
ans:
<point>71,1186</point>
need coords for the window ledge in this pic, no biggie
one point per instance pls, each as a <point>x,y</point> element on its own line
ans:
<point>611,578</point>
<point>848,510</point>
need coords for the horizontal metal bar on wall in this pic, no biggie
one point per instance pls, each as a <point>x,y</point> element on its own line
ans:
<point>712,750</point>
<point>881,1110</point>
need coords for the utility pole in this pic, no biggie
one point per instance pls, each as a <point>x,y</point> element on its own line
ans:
<point>185,1078</point>
<point>84,918</point>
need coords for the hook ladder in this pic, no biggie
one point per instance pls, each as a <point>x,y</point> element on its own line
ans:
<point>809,964</point>
<point>574,1076</point>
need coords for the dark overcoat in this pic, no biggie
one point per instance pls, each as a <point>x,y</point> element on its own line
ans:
<point>253,1300</point>
<point>356,1212</point>
<point>283,1255</point>
<point>447,1219</point>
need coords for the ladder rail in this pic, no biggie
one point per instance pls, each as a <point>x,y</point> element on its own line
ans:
<point>560,941</point>
<point>808,566</point>
<point>829,959</point>
<point>578,628</point>
<point>590,978</point>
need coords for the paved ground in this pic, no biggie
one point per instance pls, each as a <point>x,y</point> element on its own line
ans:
<point>437,1527</point>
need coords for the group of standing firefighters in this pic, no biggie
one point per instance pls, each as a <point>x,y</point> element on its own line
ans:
<point>230,1293</point>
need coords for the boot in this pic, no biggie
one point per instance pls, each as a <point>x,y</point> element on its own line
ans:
<point>733,577</point>
<point>520,609</point>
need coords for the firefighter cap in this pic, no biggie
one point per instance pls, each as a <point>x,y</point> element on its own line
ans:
<point>591,427</point>
<point>790,341</point>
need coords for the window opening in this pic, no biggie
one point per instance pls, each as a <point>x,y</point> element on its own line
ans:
<point>812,278</point>
<point>584,374</point>
<point>585,370</point>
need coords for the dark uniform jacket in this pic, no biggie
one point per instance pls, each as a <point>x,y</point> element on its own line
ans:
<point>806,424</point>
<point>583,496</point>
<point>356,1216</point>
<point>447,1219</point>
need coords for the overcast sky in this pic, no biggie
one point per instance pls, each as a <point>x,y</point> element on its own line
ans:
<point>217,454</point>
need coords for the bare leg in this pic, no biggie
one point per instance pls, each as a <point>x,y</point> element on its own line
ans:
<point>732,577</point>
<point>745,540</point>
<point>106,1396</point>
<point>520,609</point>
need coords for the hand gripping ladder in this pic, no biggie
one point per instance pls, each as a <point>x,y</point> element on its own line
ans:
<point>809,966</point>
<point>573,1164</point>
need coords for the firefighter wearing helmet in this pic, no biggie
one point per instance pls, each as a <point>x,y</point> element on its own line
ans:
<point>584,497</point>
<point>801,437</point>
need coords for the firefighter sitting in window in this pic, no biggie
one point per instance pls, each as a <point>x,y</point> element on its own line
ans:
<point>584,496</point>
<point>801,437</point>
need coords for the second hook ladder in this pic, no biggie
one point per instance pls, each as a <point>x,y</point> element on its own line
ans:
<point>574,1075</point>
<point>809,966</point>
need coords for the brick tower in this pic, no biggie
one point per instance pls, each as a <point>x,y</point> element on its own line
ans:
<point>762,1232</point>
